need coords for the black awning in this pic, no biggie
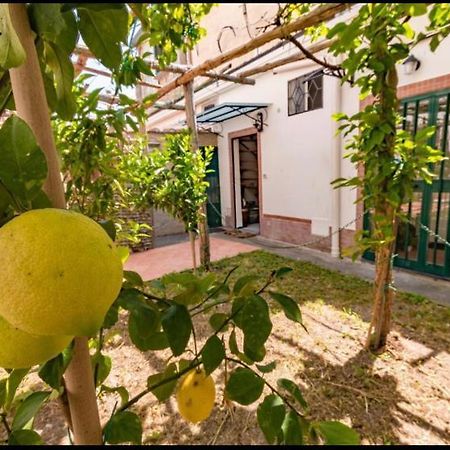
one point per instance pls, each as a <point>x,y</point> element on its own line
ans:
<point>226,111</point>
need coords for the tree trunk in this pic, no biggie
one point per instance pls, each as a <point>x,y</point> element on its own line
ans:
<point>384,294</point>
<point>193,252</point>
<point>31,104</point>
<point>205,257</point>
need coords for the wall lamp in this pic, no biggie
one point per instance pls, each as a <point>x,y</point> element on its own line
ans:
<point>410,64</point>
<point>259,123</point>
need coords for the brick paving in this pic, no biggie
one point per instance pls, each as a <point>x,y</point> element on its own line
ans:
<point>157,262</point>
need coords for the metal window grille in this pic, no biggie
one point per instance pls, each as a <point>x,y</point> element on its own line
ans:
<point>305,93</point>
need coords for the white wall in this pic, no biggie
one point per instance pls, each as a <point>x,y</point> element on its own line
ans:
<point>295,150</point>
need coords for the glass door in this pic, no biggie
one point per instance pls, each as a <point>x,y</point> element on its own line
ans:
<point>416,249</point>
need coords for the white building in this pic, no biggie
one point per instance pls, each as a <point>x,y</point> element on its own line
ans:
<point>277,174</point>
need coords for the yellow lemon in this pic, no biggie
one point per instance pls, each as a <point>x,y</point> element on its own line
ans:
<point>59,273</point>
<point>19,350</point>
<point>195,396</point>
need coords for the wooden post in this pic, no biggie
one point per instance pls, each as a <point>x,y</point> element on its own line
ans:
<point>205,257</point>
<point>31,105</point>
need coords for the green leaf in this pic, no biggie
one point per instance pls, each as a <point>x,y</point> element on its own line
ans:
<point>177,325</point>
<point>23,167</point>
<point>3,382</point>
<point>290,306</point>
<point>12,54</point>
<point>5,90</point>
<point>47,20</point>
<point>293,389</point>
<point>28,409</point>
<point>163,392</point>
<point>213,354</point>
<point>270,415</point>
<point>101,367</point>
<point>282,271</point>
<point>60,65</point>
<point>121,390</point>
<point>244,386</point>
<point>25,437</point>
<point>266,368</point>
<point>112,316</point>
<point>123,426</point>
<point>217,320</point>
<point>142,325</point>
<point>108,226</point>
<point>52,371</point>
<point>103,29</point>
<point>245,285</point>
<point>256,326</point>
<point>336,433</point>
<point>292,431</point>
<point>133,278</point>
<point>123,253</point>
<point>13,382</point>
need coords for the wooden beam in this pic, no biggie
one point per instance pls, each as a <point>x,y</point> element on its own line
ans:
<point>169,106</point>
<point>181,68</point>
<point>108,74</point>
<point>298,56</point>
<point>317,15</point>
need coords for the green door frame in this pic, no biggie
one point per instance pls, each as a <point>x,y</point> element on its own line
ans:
<point>213,207</point>
<point>438,186</point>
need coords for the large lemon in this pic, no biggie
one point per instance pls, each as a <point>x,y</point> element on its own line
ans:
<point>59,273</point>
<point>195,396</point>
<point>19,350</point>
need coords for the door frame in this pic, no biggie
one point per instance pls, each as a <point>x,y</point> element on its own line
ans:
<point>231,137</point>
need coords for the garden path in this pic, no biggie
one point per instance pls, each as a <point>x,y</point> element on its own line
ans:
<point>156,262</point>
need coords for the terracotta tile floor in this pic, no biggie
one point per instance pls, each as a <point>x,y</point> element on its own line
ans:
<point>156,262</point>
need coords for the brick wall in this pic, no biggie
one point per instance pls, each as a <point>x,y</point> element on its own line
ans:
<point>144,217</point>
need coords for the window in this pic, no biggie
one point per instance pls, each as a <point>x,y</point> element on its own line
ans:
<point>305,93</point>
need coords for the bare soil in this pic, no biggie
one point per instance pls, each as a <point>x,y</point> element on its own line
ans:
<point>399,397</point>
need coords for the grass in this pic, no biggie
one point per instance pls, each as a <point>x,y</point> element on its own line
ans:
<point>398,397</point>
<point>314,286</point>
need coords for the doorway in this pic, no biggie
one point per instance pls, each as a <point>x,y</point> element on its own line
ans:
<point>417,249</point>
<point>246,182</point>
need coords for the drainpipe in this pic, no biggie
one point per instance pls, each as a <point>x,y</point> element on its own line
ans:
<point>336,170</point>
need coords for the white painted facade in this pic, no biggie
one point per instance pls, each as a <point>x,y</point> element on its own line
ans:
<point>297,153</point>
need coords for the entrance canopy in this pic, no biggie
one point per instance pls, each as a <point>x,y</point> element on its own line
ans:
<point>226,111</point>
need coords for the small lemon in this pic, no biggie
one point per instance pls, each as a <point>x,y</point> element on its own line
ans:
<point>19,350</point>
<point>195,396</point>
<point>59,273</point>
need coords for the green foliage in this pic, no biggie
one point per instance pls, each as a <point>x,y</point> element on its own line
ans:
<point>123,426</point>
<point>373,43</point>
<point>12,53</point>
<point>28,409</point>
<point>175,300</point>
<point>244,386</point>
<point>23,170</point>
<point>99,155</point>
<point>177,178</point>
<point>172,26</point>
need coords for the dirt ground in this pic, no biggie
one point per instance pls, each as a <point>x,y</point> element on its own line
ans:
<point>400,397</point>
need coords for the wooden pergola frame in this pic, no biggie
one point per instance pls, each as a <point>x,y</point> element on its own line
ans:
<point>206,68</point>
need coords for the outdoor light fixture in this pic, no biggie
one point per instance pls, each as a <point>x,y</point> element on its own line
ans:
<point>259,123</point>
<point>410,64</point>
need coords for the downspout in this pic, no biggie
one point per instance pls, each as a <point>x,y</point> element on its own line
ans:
<point>336,171</point>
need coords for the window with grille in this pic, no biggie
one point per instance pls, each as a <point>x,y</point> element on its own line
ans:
<point>305,93</point>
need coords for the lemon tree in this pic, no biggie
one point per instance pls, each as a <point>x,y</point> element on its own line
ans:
<point>159,316</point>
